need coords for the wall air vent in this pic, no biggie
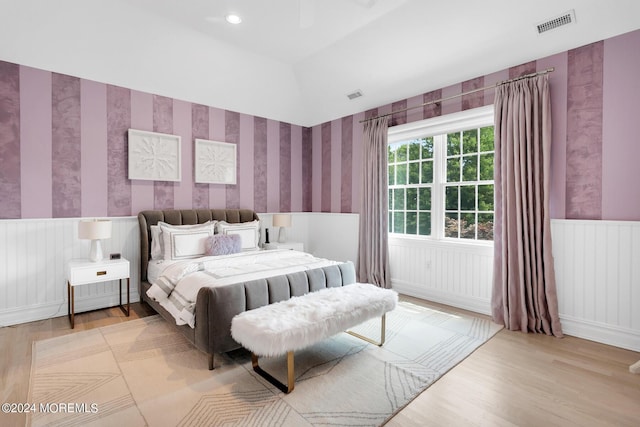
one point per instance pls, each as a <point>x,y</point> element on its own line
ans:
<point>559,21</point>
<point>354,95</point>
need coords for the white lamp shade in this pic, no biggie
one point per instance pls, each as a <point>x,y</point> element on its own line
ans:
<point>93,230</point>
<point>282,220</point>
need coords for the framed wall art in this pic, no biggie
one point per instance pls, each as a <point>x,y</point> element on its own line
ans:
<point>154,156</point>
<point>215,162</point>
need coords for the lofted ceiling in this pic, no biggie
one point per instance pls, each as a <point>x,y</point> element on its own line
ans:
<point>296,60</point>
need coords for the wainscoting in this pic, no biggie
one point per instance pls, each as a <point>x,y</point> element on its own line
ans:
<point>597,269</point>
<point>444,272</point>
<point>33,259</point>
<point>598,276</point>
<point>325,235</point>
<point>34,254</point>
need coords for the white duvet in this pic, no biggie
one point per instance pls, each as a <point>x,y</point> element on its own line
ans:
<point>177,286</point>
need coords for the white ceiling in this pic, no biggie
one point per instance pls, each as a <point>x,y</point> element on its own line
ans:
<point>295,60</point>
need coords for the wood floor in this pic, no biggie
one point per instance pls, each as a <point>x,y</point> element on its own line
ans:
<point>514,379</point>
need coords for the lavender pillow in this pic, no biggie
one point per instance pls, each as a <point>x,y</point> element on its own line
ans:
<point>223,244</point>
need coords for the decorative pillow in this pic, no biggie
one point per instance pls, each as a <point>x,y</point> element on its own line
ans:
<point>223,244</point>
<point>249,233</point>
<point>185,241</point>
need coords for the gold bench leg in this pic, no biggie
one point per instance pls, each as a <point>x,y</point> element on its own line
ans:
<point>369,340</point>
<point>290,363</point>
<point>290,373</point>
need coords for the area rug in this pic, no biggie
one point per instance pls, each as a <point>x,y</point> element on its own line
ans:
<point>143,372</point>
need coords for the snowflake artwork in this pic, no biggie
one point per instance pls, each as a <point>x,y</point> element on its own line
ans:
<point>154,156</point>
<point>215,162</point>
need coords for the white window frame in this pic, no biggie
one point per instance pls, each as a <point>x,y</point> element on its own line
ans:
<point>454,122</point>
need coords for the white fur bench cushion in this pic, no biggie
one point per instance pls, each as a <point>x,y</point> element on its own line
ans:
<point>299,322</point>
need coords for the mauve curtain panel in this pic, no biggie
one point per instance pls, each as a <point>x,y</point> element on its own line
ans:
<point>373,249</point>
<point>524,293</point>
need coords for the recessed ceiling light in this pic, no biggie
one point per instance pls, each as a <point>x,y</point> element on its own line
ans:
<point>233,19</point>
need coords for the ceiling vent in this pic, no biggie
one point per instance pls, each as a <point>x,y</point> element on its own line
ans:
<point>559,21</point>
<point>354,95</point>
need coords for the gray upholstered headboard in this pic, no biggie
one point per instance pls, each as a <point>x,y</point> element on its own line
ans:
<point>180,217</point>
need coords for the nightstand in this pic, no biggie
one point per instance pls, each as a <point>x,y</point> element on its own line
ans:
<point>294,246</point>
<point>84,272</point>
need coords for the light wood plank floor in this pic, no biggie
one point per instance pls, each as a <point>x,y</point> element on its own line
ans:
<point>514,379</point>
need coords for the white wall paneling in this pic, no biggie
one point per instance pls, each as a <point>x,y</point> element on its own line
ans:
<point>598,280</point>
<point>446,272</point>
<point>33,261</point>
<point>34,255</point>
<point>597,269</point>
<point>325,235</point>
<point>597,273</point>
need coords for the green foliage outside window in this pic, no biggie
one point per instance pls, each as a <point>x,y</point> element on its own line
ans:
<point>469,199</point>
<point>468,190</point>
<point>411,169</point>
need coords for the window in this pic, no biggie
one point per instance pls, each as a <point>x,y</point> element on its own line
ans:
<point>410,186</point>
<point>441,177</point>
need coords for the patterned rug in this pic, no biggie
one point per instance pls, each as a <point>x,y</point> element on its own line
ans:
<point>142,372</point>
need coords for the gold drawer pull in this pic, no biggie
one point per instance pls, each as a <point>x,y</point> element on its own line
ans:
<point>101,273</point>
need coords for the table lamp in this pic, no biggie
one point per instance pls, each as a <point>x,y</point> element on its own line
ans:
<point>94,230</point>
<point>283,221</point>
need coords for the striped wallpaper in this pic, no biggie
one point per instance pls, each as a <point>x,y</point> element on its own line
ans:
<point>63,143</point>
<point>63,151</point>
<point>595,151</point>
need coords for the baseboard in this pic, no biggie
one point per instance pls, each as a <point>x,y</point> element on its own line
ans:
<point>601,332</point>
<point>34,312</point>
<point>477,305</point>
<point>598,332</point>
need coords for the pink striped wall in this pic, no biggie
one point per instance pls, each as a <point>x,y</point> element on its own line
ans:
<point>93,149</point>
<point>118,121</point>
<point>584,132</point>
<point>595,93</point>
<point>199,130</point>
<point>63,151</point>
<point>10,121</point>
<point>620,117</point>
<point>65,158</point>
<point>30,196</point>
<point>63,143</point>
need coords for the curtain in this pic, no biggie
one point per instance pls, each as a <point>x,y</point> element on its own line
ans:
<point>373,250</point>
<point>524,293</point>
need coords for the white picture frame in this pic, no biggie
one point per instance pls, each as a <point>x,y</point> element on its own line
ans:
<point>154,156</point>
<point>215,162</point>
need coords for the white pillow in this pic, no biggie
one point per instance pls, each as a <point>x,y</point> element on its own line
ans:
<point>186,244</point>
<point>249,233</point>
<point>156,242</point>
<point>184,241</point>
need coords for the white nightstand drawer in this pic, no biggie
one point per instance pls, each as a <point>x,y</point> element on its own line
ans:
<point>83,272</point>
<point>295,246</point>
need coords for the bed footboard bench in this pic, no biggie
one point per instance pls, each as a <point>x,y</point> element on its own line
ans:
<point>300,322</point>
<point>221,304</point>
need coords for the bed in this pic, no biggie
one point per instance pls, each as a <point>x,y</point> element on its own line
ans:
<point>215,306</point>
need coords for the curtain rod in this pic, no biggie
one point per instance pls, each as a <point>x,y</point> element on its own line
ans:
<point>526,76</point>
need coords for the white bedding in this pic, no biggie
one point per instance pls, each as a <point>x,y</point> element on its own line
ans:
<point>175,284</point>
<point>155,269</point>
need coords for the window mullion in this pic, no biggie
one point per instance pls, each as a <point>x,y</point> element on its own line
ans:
<point>437,195</point>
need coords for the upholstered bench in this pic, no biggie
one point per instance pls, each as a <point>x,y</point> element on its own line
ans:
<point>299,322</point>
